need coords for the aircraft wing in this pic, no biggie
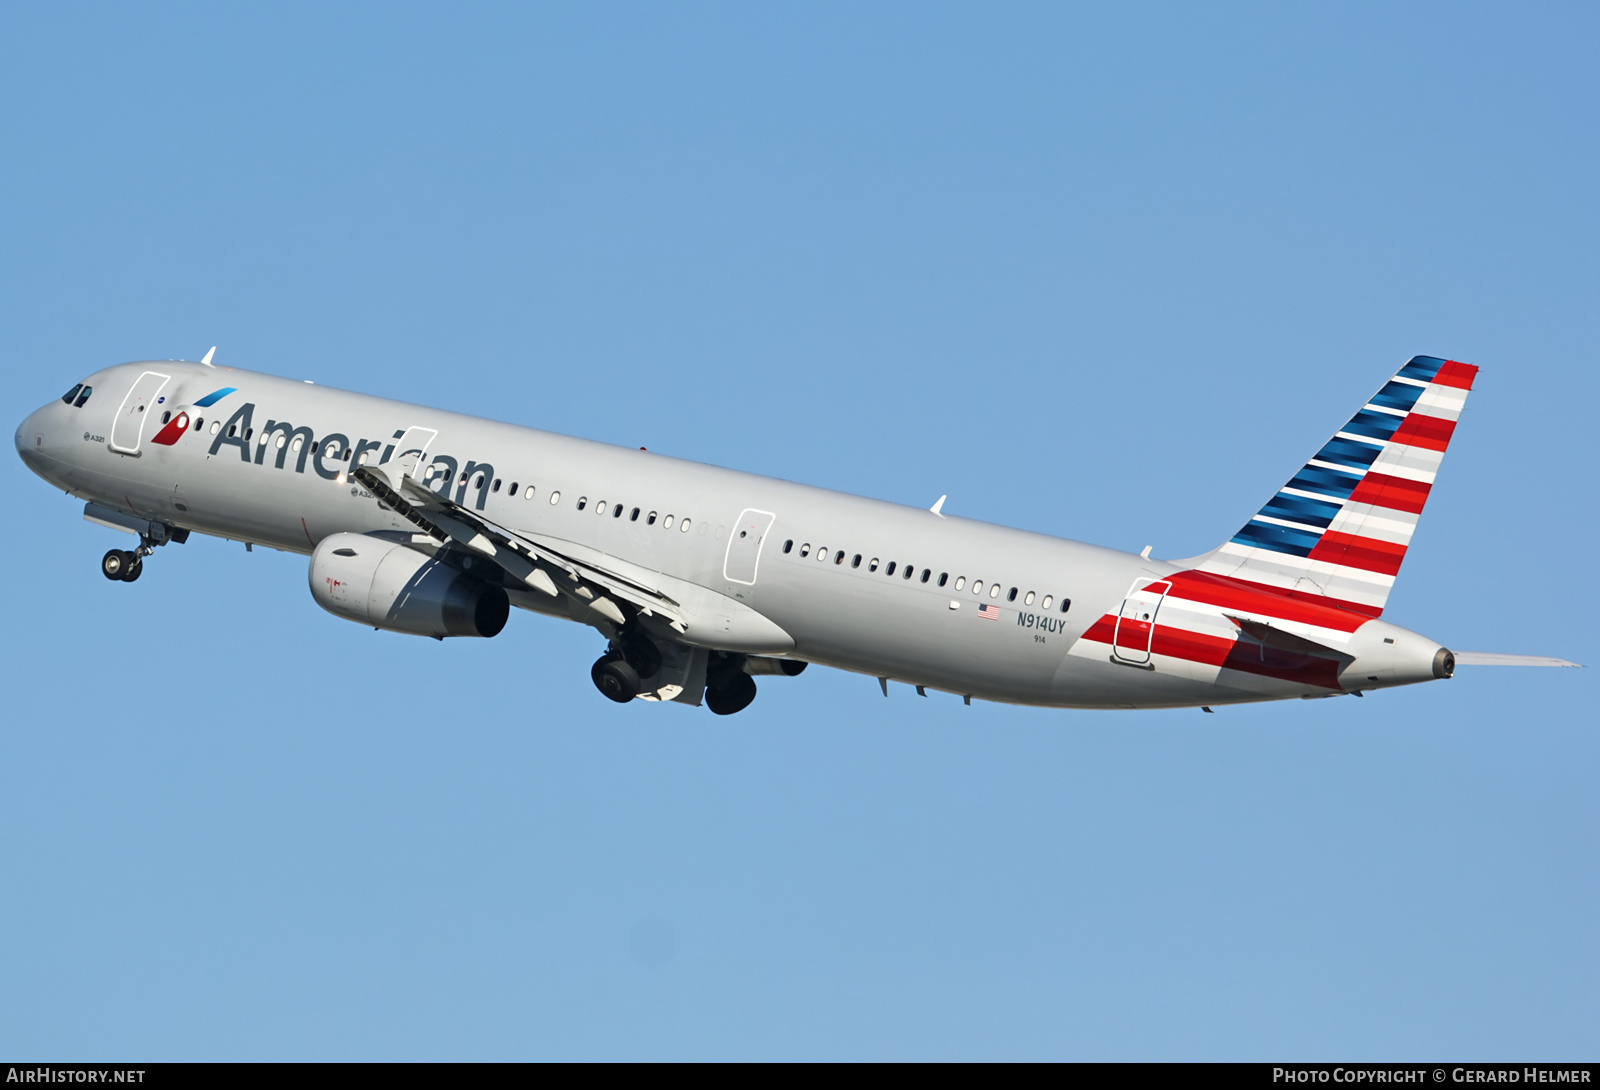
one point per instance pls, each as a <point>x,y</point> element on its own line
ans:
<point>523,556</point>
<point>1495,658</point>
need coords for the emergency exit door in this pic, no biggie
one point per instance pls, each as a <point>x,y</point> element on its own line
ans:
<point>744,546</point>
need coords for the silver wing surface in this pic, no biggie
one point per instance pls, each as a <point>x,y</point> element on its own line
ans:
<point>613,588</point>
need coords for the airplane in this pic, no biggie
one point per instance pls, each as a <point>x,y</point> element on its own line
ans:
<point>701,579</point>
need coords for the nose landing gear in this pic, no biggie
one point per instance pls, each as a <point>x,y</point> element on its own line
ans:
<point>121,565</point>
<point>125,565</point>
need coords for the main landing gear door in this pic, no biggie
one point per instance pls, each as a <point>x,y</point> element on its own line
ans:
<point>1136,623</point>
<point>140,403</point>
<point>744,546</point>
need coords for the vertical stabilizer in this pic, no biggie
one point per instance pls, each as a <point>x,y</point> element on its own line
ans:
<point>1339,529</point>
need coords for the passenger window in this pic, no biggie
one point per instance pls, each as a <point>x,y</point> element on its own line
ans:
<point>1066,604</point>
<point>788,545</point>
<point>582,501</point>
<point>1046,603</point>
<point>231,429</point>
<point>961,581</point>
<point>600,507</point>
<point>650,519</point>
<point>822,552</point>
<point>555,497</point>
<point>1012,597</point>
<point>72,393</point>
<point>926,573</point>
<point>512,491</point>
<point>856,563</point>
<point>943,577</point>
<point>528,495</point>
<point>839,559</point>
<point>977,586</point>
<point>1028,599</point>
<point>994,590</point>
<point>873,565</point>
<point>87,390</point>
<point>633,516</point>
<point>199,422</point>
<point>911,569</point>
<point>666,523</point>
<point>616,514</point>
<point>496,486</point>
<point>889,569</point>
<point>248,432</point>
<point>216,426</point>
<point>683,526</point>
<point>166,415</point>
<point>805,551</point>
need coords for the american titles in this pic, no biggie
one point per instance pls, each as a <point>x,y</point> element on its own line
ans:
<point>333,453</point>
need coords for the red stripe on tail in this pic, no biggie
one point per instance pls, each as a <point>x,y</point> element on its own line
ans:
<point>1366,553</point>
<point>1261,600</point>
<point>1424,431</point>
<point>1396,493</point>
<point>1459,375</point>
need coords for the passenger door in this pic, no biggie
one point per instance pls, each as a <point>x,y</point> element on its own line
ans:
<point>140,402</point>
<point>1136,623</point>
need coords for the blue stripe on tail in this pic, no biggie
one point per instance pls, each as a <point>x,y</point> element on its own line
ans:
<point>1280,539</point>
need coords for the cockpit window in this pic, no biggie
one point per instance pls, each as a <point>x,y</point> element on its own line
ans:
<point>87,390</point>
<point>72,393</point>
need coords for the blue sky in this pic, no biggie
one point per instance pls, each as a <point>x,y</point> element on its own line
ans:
<point>1110,274</point>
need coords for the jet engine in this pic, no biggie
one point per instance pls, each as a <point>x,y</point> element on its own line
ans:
<point>381,583</point>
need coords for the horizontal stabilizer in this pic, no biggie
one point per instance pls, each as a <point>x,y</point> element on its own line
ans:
<point>1277,638</point>
<point>1495,658</point>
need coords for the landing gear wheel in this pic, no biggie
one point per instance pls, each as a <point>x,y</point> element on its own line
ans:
<point>133,570</point>
<point>115,564</point>
<point>732,694</point>
<point>615,679</point>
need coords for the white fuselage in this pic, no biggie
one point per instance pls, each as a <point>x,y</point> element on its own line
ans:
<point>986,611</point>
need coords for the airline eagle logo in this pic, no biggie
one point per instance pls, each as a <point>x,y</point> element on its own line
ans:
<point>174,428</point>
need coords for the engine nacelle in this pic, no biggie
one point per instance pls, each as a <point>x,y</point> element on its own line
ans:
<point>377,582</point>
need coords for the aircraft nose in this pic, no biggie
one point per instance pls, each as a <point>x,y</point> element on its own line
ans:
<point>30,439</point>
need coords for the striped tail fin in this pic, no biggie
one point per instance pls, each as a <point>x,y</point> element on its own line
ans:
<point>1340,528</point>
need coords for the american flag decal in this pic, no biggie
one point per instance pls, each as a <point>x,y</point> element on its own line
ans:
<point>989,613</point>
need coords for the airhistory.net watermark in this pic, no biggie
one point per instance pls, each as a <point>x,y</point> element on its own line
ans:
<point>44,1073</point>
